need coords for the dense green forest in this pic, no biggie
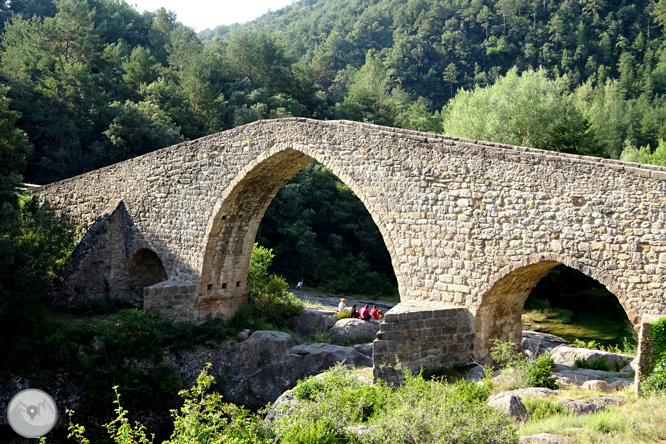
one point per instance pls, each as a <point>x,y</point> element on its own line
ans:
<point>92,82</point>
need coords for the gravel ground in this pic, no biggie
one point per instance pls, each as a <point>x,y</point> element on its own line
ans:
<point>331,302</point>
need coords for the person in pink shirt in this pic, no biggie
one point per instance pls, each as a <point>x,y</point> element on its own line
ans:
<point>364,313</point>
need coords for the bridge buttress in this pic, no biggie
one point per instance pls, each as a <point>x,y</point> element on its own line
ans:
<point>419,335</point>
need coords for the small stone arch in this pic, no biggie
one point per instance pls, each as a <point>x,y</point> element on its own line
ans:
<point>232,229</point>
<point>145,269</point>
<point>498,314</point>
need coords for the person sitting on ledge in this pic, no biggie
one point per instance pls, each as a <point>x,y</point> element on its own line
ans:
<point>342,305</point>
<point>376,313</point>
<point>354,312</point>
<point>364,313</point>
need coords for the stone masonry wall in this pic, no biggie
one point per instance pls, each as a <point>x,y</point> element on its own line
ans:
<point>416,335</point>
<point>457,216</point>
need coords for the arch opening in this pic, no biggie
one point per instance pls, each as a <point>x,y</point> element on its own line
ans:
<point>146,269</point>
<point>233,228</point>
<point>536,293</point>
<point>321,233</point>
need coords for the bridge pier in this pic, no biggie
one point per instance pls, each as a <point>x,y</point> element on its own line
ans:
<point>183,302</point>
<point>422,334</point>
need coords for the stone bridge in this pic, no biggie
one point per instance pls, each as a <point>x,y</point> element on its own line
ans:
<point>471,227</point>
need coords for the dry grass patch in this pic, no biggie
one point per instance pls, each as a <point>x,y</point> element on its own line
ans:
<point>637,421</point>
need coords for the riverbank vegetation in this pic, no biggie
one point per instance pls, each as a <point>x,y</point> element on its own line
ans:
<point>340,407</point>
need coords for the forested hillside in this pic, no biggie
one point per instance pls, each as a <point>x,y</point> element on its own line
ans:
<point>92,82</point>
<point>610,54</point>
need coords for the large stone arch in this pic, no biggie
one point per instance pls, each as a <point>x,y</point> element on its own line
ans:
<point>497,316</point>
<point>456,215</point>
<point>232,228</point>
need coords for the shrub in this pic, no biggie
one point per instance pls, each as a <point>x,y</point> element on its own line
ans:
<point>269,298</point>
<point>528,372</point>
<point>202,418</point>
<point>343,315</point>
<point>418,411</point>
<point>430,411</point>
<point>539,372</point>
<point>656,381</point>
<point>597,364</point>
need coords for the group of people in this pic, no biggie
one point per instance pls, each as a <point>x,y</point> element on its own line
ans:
<point>364,313</point>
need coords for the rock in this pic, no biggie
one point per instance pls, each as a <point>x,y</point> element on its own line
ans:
<point>364,349</point>
<point>509,404</point>
<point>544,438</point>
<point>310,321</point>
<point>620,385</point>
<point>568,356</point>
<point>605,401</point>
<point>475,373</point>
<point>354,331</point>
<point>536,343</point>
<point>284,405</point>
<point>579,376</point>
<point>591,405</point>
<point>255,379</point>
<point>598,385</point>
<point>534,392</point>
<point>580,406</point>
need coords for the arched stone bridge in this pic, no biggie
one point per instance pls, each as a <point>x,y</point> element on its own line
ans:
<point>468,224</point>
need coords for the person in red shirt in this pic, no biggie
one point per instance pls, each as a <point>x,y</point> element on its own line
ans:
<point>376,313</point>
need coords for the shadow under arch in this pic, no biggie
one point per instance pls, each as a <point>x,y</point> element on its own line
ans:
<point>145,269</point>
<point>232,229</point>
<point>498,315</point>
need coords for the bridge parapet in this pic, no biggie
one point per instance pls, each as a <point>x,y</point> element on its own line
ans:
<point>419,335</point>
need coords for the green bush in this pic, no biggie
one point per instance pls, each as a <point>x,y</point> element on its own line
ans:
<point>597,364</point>
<point>418,411</point>
<point>269,299</point>
<point>656,381</point>
<point>343,315</point>
<point>531,372</point>
<point>539,372</point>
<point>203,418</point>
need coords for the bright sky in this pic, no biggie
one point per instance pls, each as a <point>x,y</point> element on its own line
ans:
<point>202,14</point>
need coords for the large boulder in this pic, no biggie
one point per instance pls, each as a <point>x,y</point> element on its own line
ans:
<point>475,373</point>
<point>598,385</point>
<point>509,404</point>
<point>537,343</point>
<point>534,392</point>
<point>591,405</point>
<point>310,321</point>
<point>354,331</point>
<point>255,377</point>
<point>568,355</point>
<point>580,376</point>
<point>365,349</point>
